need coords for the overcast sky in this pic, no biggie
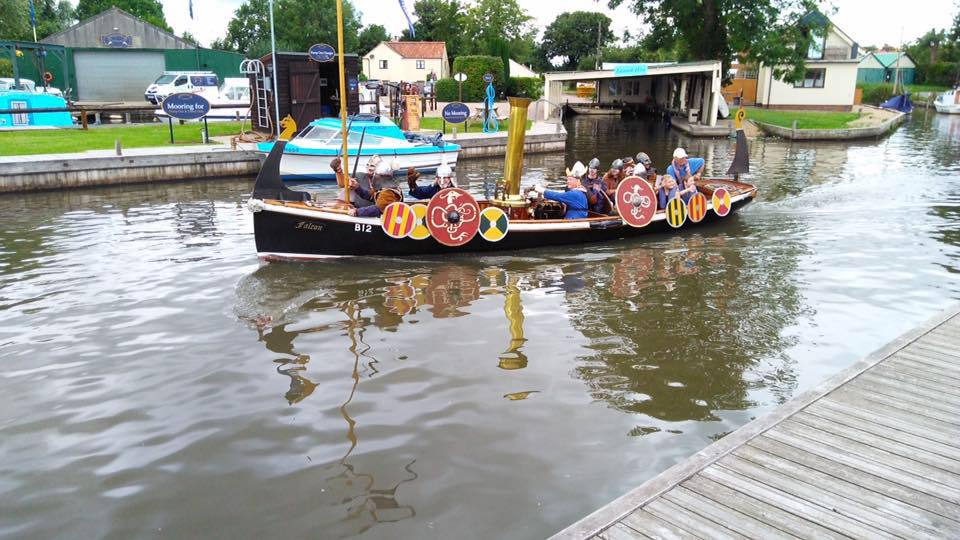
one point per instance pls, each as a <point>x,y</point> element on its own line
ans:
<point>864,20</point>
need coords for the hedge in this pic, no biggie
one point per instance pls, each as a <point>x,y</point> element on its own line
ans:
<point>446,90</point>
<point>875,93</point>
<point>531,87</point>
<point>474,89</point>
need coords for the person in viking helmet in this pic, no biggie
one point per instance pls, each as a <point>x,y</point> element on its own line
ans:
<point>385,191</point>
<point>444,179</point>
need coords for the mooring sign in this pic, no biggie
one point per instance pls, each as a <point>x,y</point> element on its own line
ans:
<point>455,113</point>
<point>186,106</point>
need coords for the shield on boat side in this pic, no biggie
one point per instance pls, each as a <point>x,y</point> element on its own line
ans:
<point>494,224</point>
<point>721,202</point>
<point>398,220</point>
<point>636,201</point>
<point>697,207</point>
<point>420,230</point>
<point>453,217</point>
<point>676,212</point>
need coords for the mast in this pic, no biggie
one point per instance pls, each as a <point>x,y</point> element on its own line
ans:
<point>343,100</point>
<point>276,71</point>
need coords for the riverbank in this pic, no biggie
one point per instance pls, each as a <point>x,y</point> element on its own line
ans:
<point>62,141</point>
<point>171,163</point>
<point>864,122</point>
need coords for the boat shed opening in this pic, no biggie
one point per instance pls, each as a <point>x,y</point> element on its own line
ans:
<point>688,90</point>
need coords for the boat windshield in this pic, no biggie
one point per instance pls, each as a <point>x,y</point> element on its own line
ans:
<point>330,136</point>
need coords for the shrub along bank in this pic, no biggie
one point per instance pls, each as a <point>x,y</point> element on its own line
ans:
<point>474,88</point>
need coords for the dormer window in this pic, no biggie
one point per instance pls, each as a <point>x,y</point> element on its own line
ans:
<point>818,38</point>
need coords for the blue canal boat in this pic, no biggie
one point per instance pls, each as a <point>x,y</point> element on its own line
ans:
<point>307,156</point>
<point>29,120</point>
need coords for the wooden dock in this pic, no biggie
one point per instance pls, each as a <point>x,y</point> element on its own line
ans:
<point>873,452</point>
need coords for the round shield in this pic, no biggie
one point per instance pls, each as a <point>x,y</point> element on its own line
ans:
<point>420,230</point>
<point>697,207</point>
<point>494,224</point>
<point>636,201</point>
<point>676,212</point>
<point>397,220</point>
<point>453,217</point>
<point>721,202</point>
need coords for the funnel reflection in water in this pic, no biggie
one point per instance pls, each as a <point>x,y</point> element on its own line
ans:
<point>513,357</point>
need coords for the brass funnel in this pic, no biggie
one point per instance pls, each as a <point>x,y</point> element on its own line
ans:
<point>513,162</point>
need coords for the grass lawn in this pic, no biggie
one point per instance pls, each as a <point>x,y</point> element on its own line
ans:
<point>473,126</point>
<point>57,141</point>
<point>805,119</point>
<point>914,88</point>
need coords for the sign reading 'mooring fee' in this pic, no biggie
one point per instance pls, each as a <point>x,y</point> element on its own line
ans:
<point>186,106</point>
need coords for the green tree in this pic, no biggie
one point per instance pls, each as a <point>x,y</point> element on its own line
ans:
<point>148,10</point>
<point>439,20</point>
<point>491,20</point>
<point>573,35</point>
<point>775,32</point>
<point>188,37</point>
<point>298,25</point>
<point>370,37</point>
<point>52,17</point>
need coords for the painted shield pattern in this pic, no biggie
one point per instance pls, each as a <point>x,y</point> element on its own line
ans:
<point>494,224</point>
<point>453,217</point>
<point>420,230</point>
<point>721,202</point>
<point>676,212</point>
<point>697,207</point>
<point>397,220</point>
<point>636,201</point>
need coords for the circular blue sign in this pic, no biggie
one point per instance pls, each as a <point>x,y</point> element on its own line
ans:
<point>321,52</point>
<point>186,106</point>
<point>455,113</point>
<point>488,77</point>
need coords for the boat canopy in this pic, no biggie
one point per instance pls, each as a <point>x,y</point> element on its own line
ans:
<point>900,103</point>
<point>373,124</point>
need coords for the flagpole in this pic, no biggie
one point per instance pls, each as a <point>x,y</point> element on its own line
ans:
<point>343,100</point>
<point>273,62</point>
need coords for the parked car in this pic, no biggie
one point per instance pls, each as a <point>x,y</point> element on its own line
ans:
<point>205,83</point>
<point>8,84</point>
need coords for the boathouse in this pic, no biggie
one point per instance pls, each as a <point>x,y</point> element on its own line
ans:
<point>882,67</point>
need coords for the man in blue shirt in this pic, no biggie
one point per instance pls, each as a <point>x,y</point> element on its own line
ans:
<point>684,172</point>
<point>575,198</point>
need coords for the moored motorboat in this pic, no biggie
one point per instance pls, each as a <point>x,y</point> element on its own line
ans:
<point>308,155</point>
<point>948,102</point>
<point>288,225</point>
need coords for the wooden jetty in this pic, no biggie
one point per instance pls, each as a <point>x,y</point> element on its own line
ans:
<point>873,452</point>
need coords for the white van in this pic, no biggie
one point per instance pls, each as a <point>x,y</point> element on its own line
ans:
<point>204,83</point>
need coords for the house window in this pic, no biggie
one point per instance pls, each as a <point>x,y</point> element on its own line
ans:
<point>813,78</point>
<point>383,64</point>
<point>421,64</point>
<point>818,39</point>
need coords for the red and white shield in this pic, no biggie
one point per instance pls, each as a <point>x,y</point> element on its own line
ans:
<point>453,217</point>
<point>636,201</point>
<point>721,202</point>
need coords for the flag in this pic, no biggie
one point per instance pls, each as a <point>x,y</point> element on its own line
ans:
<point>33,15</point>
<point>191,8</point>
<point>407,15</point>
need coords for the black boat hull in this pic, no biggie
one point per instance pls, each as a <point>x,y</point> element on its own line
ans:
<point>290,234</point>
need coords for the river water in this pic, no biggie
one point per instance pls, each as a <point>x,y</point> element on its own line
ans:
<point>157,381</point>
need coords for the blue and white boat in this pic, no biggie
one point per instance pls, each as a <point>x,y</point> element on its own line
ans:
<point>307,156</point>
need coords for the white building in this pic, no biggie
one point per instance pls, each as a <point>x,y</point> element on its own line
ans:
<point>519,70</point>
<point>408,61</point>
<point>830,81</point>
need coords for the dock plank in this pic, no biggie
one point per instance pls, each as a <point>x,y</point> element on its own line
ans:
<point>872,452</point>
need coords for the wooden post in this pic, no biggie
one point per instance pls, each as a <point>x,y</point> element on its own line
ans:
<point>83,119</point>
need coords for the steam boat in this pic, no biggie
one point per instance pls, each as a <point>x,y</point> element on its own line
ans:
<point>288,225</point>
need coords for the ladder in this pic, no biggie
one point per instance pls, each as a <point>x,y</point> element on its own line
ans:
<point>258,70</point>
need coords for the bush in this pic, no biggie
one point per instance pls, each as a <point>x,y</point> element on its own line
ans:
<point>6,68</point>
<point>474,89</point>
<point>531,87</point>
<point>941,73</point>
<point>446,90</point>
<point>875,93</point>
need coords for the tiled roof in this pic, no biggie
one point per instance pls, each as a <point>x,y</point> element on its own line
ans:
<point>418,49</point>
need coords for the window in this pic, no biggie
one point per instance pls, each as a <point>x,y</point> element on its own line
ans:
<point>180,82</point>
<point>383,64</point>
<point>20,119</point>
<point>421,64</point>
<point>813,78</point>
<point>818,38</point>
